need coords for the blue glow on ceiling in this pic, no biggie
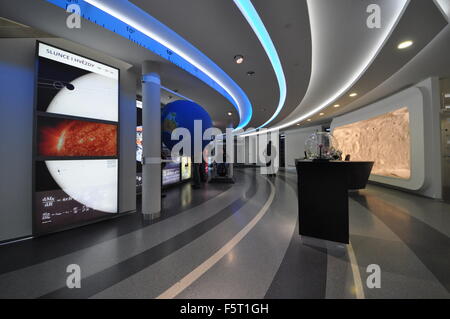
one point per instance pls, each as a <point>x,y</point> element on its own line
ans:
<point>248,10</point>
<point>165,43</point>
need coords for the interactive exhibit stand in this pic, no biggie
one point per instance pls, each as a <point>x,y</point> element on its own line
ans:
<point>223,172</point>
<point>323,196</point>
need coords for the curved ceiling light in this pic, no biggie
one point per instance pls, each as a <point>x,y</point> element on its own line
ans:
<point>131,22</point>
<point>359,70</point>
<point>252,17</point>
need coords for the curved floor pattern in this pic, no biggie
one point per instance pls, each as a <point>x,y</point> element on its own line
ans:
<point>241,242</point>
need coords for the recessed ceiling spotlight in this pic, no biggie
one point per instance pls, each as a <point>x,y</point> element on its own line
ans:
<point>336,105</point>
<point>309,120</point>
<point>405,44</point>
<point>353,94</point>
<point>298,124</point>
<point>229,113</point>
<point>238,59</point>
<point>321,114</point>
<point>250,73</point>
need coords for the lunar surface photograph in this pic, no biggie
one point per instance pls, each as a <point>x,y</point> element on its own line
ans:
<point>384,139</point>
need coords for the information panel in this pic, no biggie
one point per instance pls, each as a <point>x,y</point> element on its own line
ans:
<point>76,140</point>
<point>186,168</point>
<point>171,173</point>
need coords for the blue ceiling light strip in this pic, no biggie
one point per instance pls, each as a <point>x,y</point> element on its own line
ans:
<point>252,17</point>
<point>117,16</point>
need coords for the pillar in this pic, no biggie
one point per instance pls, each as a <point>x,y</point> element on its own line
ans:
<point>151,126</point>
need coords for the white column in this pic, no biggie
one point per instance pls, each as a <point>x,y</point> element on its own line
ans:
<point>151,127</point>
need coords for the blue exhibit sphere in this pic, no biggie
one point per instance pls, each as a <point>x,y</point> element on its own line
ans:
<point>183,114</point>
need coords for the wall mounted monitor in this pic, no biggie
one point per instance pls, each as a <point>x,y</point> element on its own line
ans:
<point>139,159</point>
<point>76,153</point>
<point>139,144</point>
<point>69,84</point>
<point>186,167</point>
<point>171,173</point>
<point>63,137</point>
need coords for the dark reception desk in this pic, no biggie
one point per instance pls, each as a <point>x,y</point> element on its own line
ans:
<point>323,196</point>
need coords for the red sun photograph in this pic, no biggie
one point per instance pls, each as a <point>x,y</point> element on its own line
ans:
<point>76,138</point>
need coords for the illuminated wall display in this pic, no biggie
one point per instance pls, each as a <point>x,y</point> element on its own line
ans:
<point>139,159</point>
<point>384,139</point>
<point>171,173</point>
<point>139,144</point>
<point>186,168</point>
<point>76,140</point>
<point>63,137</point>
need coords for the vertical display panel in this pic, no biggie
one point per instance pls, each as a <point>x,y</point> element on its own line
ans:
<point>76,144</point>
<point>186,168</point>
<point>139,151</point>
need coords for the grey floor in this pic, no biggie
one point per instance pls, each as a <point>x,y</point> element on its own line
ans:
<point>242,242</point>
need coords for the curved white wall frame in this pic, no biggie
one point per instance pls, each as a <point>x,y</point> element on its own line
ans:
<point>128,20</point>
<point>341,53</point>
<point>444,6</point>
<point>413,99</point>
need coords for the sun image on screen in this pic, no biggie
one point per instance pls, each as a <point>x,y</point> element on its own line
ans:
<point>384,139</point>
<point>171,173</point>
<point>74,138</point>
<point>74,191</point>
<point>69,84</point>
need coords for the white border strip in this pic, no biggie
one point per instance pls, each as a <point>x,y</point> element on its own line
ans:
<point>359,290</point>
<point>187,280</point>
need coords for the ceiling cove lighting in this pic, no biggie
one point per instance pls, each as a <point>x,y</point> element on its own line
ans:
<point>249,12</point>
<point>405,44</point>
<point>390,25</point>
<point>133,23</point>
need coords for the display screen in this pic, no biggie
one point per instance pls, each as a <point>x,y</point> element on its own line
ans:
<point>171,173</point>
<point>384,139</point>
<point>186,168</point>
<point>69,84</point>
<point>139,144</point>
<point>139,159</point>
<point>76,140</point>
